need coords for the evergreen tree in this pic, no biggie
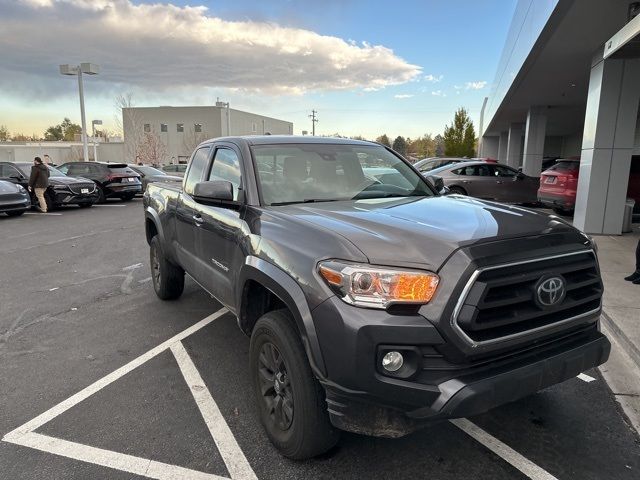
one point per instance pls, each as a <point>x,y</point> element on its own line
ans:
<point>384,140</point>
<point>400,145</point>
<point>459,138</point>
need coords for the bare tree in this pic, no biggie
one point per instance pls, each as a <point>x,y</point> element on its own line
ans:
<point>152,149</point>
<point>129,124</point>
<point>192,139</point>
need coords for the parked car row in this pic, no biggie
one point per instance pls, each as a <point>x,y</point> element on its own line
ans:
<point>76,183</point>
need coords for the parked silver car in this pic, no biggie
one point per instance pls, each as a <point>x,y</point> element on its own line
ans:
<point>150,174</point>
<point>489,181</point>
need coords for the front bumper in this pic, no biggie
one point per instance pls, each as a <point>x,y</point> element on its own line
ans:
<point>66,197</point>
<point>363,399</point>
<point>15,205</point>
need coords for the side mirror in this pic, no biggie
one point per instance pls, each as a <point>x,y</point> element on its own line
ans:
<point>438,183</point>
<point>213,192</point>
<point>520,176</point>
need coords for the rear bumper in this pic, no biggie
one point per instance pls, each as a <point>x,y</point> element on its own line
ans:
<point>116,189</point>
<point>465,395</point>
<point>559,201</point>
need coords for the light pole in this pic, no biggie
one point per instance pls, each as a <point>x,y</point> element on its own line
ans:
<point>93,134</point>
<point>78,70</point>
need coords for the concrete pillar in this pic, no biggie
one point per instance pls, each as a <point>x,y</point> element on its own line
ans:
<point>490,147</point>
<point>514,145</point>
<point>607,145</point>
<point>534,135</point>
<point>502,147</point>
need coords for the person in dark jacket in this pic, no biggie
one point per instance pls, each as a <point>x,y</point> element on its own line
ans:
<point>635,276</point>
<point>39,181</point>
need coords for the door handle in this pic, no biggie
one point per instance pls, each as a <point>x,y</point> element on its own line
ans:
<point>198,219</point>
<point>465,181</point>
<point>499,181</point>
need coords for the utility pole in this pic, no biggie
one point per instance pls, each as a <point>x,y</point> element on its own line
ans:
<point>314,120</point>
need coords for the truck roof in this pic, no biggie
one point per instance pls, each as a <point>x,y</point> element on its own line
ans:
<point>288,139</point>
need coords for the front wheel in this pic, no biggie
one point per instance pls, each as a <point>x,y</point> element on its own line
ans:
<point>457,191</point>
<point>167,278</point>
<point>291,403</point>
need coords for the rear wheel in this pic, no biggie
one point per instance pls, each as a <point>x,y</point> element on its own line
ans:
<point>291,403</point>
<point>457,190</point>
<point>167,278</point>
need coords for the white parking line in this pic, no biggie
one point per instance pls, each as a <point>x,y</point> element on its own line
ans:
<point>48,214</point>
<point>107,205</point>
<point>586,378</point>
<point>505,452</point>
<point>230,451</point>
<point>25,435</point>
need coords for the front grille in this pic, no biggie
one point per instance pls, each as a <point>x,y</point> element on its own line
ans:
<point>502,301</point>
<point>76,188</point>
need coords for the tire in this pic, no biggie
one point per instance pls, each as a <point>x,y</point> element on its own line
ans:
<point>562,211</point>
<point>457,190</point>
<point>302,428</point>
<point>167,278</point>
<point>49,201</point>
<point>102,197</point>
<point>15,214</point>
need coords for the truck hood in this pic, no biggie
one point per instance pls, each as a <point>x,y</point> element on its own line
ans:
<point>424,231</point>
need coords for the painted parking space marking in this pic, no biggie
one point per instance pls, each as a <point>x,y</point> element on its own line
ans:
<point>48,214</point>
<point>236,462</point>
<point>107,205</point>
<point>526,466</point>
<point>234,459</point>
<point>586,378</point>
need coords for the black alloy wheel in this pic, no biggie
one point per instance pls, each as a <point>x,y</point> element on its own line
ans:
<point>276,386</point>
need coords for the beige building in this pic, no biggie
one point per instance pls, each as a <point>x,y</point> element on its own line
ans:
<point>165,135</point>
<point>60,152</point>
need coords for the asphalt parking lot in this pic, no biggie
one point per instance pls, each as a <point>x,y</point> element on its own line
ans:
<point>100,379</point>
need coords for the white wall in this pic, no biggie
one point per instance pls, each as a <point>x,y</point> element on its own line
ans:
<point>60,152</point>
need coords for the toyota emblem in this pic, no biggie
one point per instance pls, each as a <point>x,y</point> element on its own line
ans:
<point>551,291</point>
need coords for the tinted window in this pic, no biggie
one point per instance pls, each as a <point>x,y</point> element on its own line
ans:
<point>565,166</point>
<point>196,169</point>
<point>148,170</point>
<point>7,171</point>
<point>226,166</point>
<point>78,169</point>
<point>119,169</point>
<point>501,171</point>
<point>294,173</point>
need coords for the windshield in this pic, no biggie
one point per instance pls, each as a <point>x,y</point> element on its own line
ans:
<point>564,166</point>
<point>54,172</point>
<point>299,173</point>
<point>149,170</point>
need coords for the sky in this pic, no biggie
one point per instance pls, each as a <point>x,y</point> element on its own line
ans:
<point>367,67</point>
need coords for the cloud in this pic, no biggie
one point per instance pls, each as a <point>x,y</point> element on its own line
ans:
<point>433,78</point>
<point>162,46</point>
<point>438,93</point>
<point>403,95</point>
<point>475,85</point>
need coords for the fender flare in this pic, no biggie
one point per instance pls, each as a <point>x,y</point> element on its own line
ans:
<point>152,215</point>
<point>283,286</point>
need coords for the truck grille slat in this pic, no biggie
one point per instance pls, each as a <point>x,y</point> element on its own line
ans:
<point>502,299</point>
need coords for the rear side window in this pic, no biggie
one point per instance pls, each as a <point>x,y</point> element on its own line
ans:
<point>196,169</point>
<point>121,170</point>
<point>226,166</point>
<point>78,169</point>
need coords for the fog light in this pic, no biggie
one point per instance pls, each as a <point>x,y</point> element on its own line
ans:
<point>392,361</point>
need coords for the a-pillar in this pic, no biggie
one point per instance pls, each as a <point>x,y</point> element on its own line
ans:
<point>534,134</point>
<point>607,145</point>
<point>502,147</point>
<point>514,145</point>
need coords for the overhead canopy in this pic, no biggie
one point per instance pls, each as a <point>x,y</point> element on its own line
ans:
<point>556,71</point>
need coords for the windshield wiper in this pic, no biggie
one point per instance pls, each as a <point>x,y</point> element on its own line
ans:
<point>306,200</point>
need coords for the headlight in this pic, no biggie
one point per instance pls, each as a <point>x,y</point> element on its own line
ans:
<point>21,189</point>
<point>378,287</point>
<point>59,187</point>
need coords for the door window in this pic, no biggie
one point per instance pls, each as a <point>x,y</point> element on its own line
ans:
<point>196,169</point>
<point>226,166</point>
<point>501,171</point>
<point>78,169</point>
<point>7,171</point>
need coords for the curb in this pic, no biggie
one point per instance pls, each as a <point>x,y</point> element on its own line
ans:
<point>623,340</point>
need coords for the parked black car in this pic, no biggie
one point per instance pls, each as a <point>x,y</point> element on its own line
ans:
<point>14,199</point>
<point>112,179</point>
<point>63,190</point>
<point>176,169</point>
<point>150,174</point>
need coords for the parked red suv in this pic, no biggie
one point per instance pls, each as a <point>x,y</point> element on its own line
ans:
<point>559,183</point>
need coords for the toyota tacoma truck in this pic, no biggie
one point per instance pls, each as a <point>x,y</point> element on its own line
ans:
<point>373,304</point>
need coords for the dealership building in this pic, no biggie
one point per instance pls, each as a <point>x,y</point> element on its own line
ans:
<point>568,85</point>
<point>178,130</point>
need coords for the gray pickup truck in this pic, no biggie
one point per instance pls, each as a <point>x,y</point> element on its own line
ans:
<point>374,304</point>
